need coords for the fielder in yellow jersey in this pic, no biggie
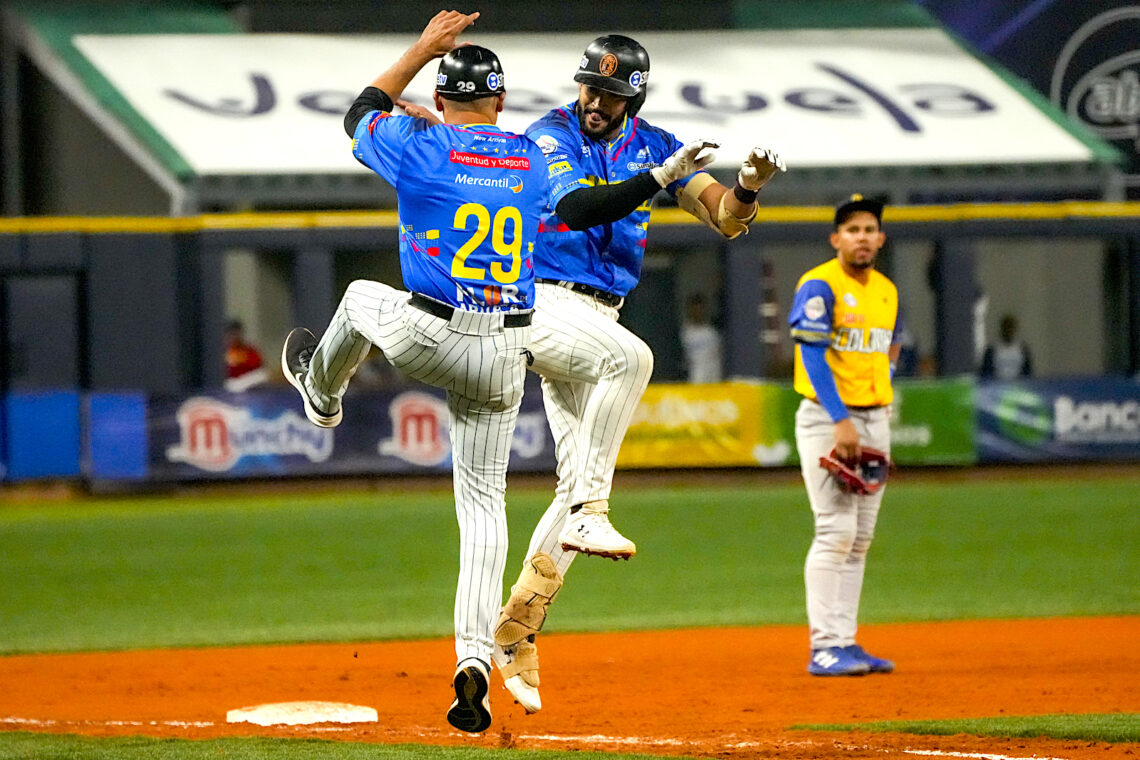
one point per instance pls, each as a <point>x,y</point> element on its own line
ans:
<point>844,320</point>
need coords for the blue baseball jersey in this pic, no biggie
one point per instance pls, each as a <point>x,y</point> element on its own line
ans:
<point>607,256</point>
<point>470,199</point>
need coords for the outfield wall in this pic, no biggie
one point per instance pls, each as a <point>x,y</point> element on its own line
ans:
<point>99,438</point>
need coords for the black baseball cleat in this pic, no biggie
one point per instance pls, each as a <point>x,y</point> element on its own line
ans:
<point>295,357</point>
<point>471,710</point>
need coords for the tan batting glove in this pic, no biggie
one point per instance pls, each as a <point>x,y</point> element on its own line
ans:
<point>684,162</point>
<point>760,166</point>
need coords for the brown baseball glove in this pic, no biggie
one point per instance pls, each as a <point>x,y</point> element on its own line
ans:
<point>865,476</point>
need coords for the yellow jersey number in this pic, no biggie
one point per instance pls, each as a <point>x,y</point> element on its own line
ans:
<point>498,230</point>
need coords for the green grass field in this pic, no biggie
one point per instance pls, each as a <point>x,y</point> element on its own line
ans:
<point>1116,727</point>
<point>165,571</point>
<point>155,571</point>
<point>25,746</point>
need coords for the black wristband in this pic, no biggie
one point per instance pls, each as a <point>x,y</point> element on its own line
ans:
<point>747,197</point>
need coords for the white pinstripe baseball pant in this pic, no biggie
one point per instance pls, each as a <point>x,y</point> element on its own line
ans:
<point>844,524</point>
<point>482,366</point>
<point>594,372</point>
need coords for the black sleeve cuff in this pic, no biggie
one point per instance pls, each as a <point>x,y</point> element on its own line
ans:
<point>602,204</point>
<point>371,99</point>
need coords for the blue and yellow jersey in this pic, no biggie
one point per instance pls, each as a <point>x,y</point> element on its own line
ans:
<point>470,198</point>
<point>607,256</point>
<point>857,322</point>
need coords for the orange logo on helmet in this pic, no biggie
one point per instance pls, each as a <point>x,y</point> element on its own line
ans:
<point>608,64</point>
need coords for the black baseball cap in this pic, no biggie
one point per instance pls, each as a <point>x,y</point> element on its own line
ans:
<point>855,203</point>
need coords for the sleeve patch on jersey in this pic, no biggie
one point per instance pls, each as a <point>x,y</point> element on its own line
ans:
<point>560,168</point>
<point>547,144</point>
<point>815,308</point>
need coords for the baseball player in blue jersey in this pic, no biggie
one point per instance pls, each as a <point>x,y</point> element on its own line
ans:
<point>844,319</point>
<point>605,166</point>
<point>470,197</point>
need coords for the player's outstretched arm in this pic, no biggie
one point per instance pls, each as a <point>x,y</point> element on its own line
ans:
<point>590,206</point>
<point>438,38</point>
<point>730,211</point>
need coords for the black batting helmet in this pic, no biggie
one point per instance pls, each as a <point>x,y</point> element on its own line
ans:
<point>468,73</point>
<point>616,64</point>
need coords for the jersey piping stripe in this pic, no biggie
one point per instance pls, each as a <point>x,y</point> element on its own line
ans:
<point>632,132</point>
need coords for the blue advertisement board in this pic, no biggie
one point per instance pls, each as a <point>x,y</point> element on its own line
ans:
<point>42,438</point>
<point>264,433</point>
<point>1059,420</point>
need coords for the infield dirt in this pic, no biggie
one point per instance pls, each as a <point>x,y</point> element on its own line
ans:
<point>716,692</point>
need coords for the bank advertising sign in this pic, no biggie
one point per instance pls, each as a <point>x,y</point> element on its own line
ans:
<point>274,103</point>
<point>1049,421</point>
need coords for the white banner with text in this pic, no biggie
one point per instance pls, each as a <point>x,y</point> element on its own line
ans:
<point>274,103</point>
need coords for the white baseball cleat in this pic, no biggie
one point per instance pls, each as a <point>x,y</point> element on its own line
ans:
<point>589,531</point>
<point>519,667</point>
<point>295,357</point>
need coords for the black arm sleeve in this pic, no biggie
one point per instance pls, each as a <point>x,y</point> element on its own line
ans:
<point>371,99</point>
<point>601,204</point>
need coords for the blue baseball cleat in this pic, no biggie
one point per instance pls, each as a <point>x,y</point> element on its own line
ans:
<point>836,661</point>
<point>876,664</point>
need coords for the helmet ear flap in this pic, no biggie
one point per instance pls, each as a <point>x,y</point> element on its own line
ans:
<point>634,104</point>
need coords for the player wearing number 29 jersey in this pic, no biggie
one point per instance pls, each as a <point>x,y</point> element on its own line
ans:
<point>469,199</point>
<point>470,196</point>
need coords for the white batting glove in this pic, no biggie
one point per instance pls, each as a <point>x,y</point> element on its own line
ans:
<point>684,162</point>
<point>760,166</point>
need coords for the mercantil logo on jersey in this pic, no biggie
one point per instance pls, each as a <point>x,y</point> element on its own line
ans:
<point>512,182</point>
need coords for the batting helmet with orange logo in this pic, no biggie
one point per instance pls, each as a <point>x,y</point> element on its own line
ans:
<point>616,64</point>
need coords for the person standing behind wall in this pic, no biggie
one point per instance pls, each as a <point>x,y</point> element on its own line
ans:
<point>1009,358</point>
